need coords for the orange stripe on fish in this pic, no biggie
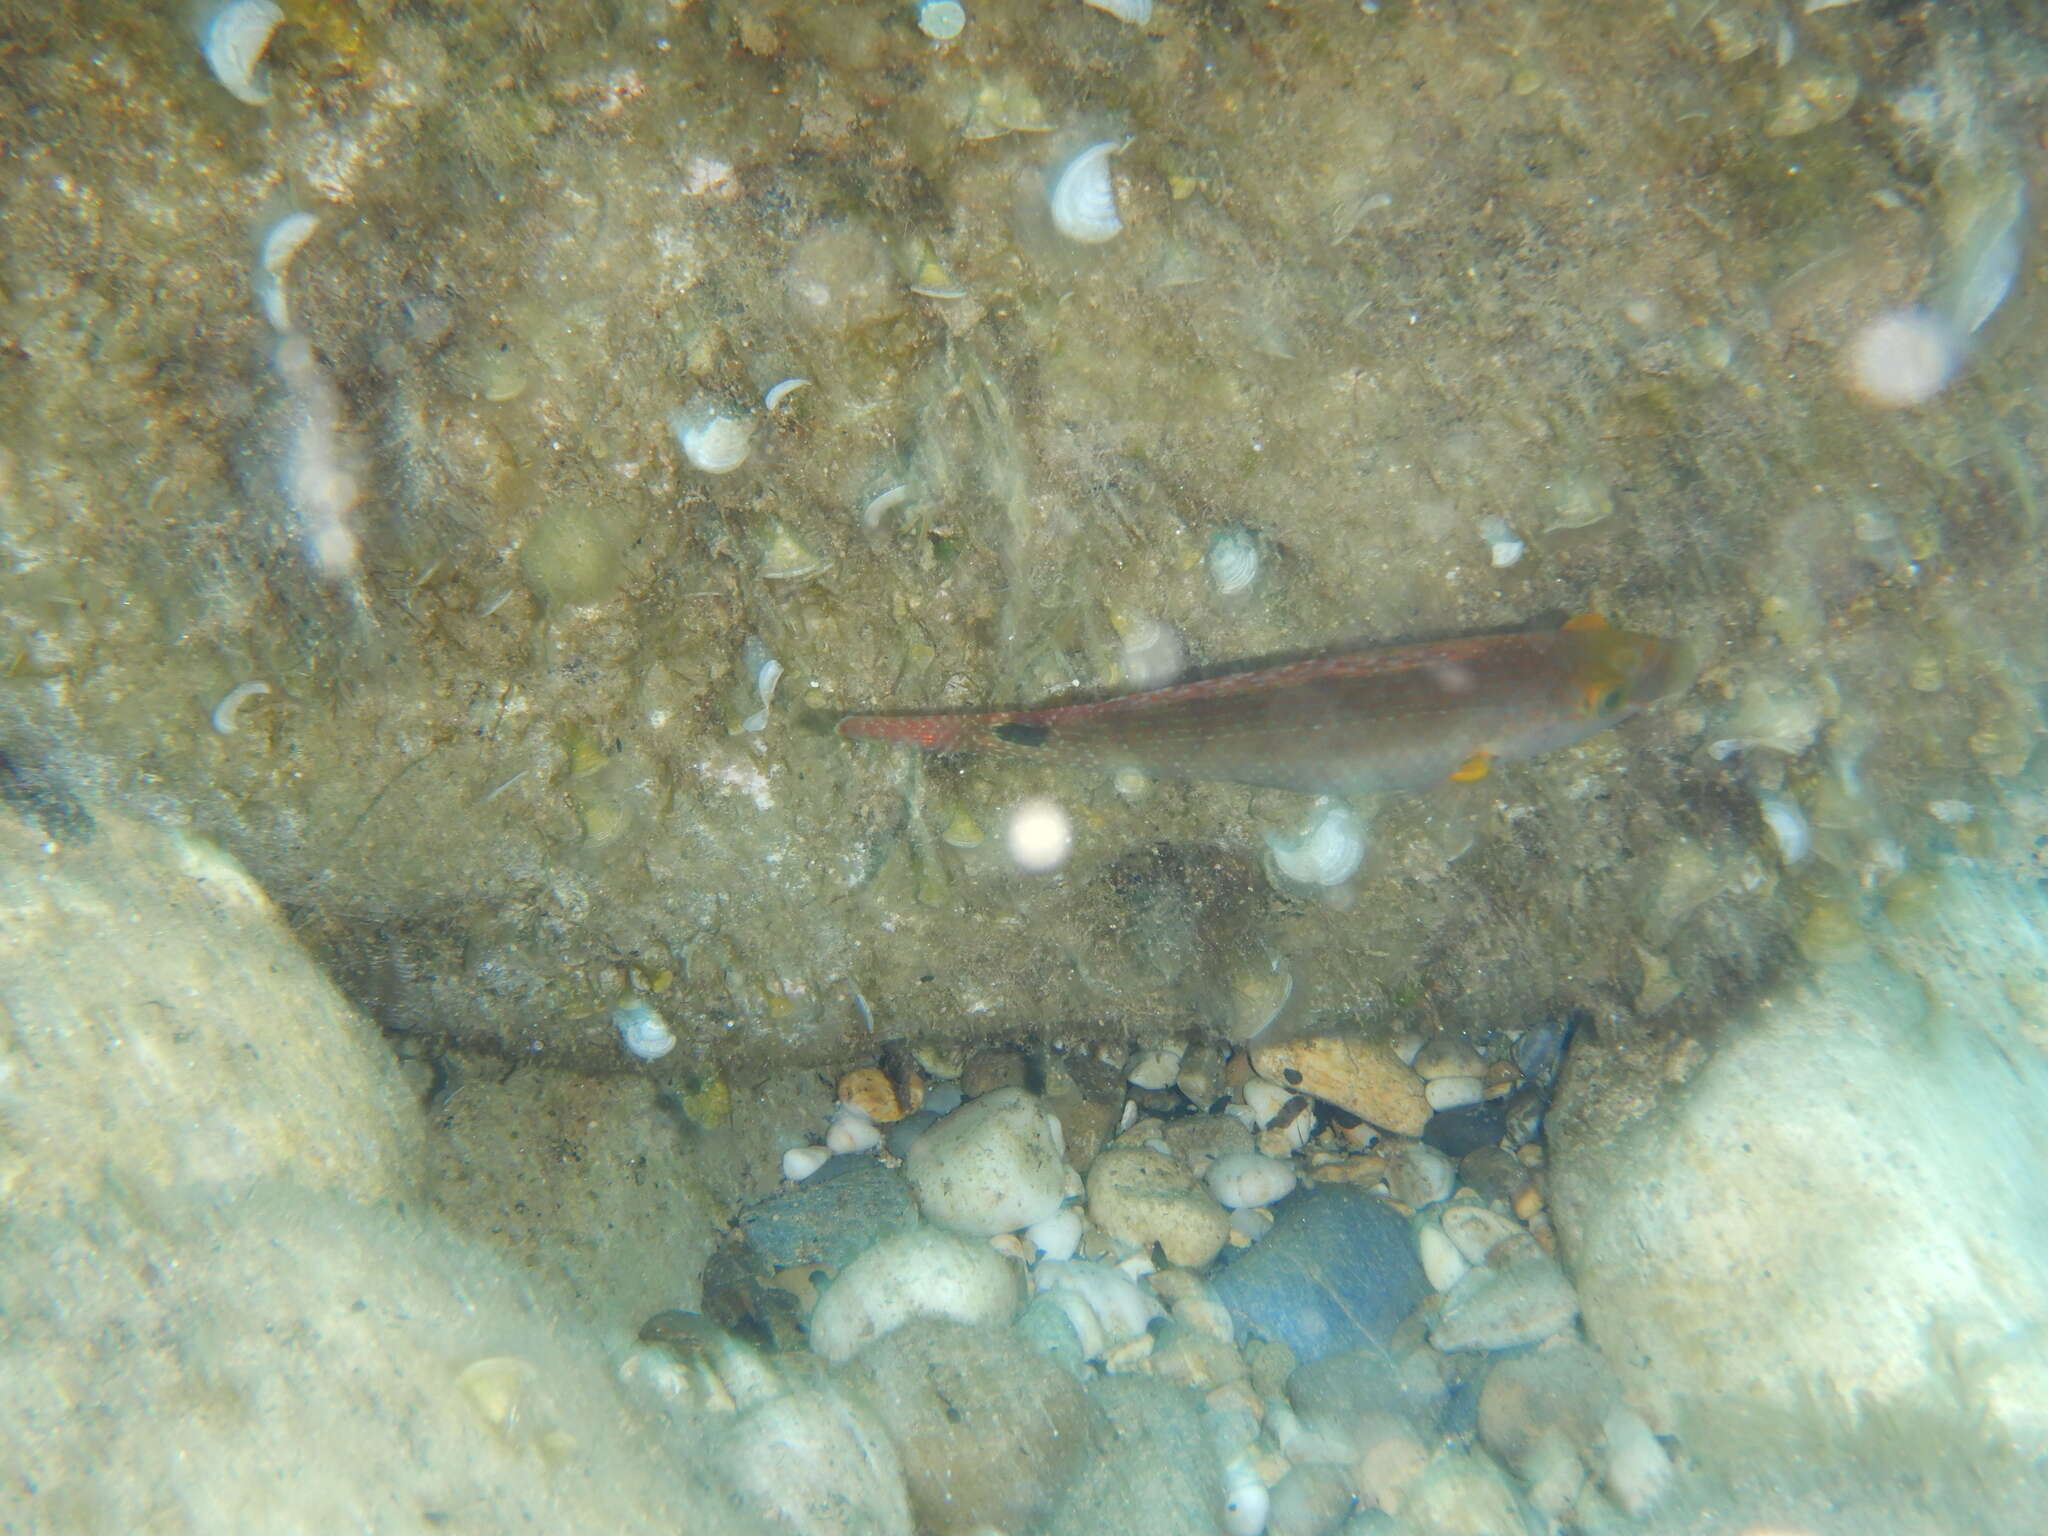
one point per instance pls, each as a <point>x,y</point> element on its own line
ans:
<point>1398,718</point>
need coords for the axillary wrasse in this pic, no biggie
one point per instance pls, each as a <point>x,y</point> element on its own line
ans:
<point>1353,722</point>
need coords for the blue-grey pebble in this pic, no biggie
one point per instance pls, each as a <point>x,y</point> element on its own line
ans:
<point>1337,1272</point>
<point>832,1217</point>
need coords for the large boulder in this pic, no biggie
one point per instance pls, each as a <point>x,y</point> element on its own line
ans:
<point>1840,1203</point>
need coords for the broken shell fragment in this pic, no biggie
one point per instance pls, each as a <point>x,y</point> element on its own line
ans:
<point>713,441</point>
<point>1083,197</point>
<point>274,255</point>
<point>232,37</point>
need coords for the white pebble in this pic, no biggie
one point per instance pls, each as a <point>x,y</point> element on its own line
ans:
<point>1155,1067</point>
<point>941,20</point>
<point>1254,1221</point>
<point>1903,358</point>
<point>1442,1264</point>
<point>1246,1504</point>
<point>1453,1092</point>
<point>1245,1179</point>
<point>1058,1236</point>
<point>642,1031</point>
<point>1637,1469</point>
<point>851,1131</point>
<point>1265,1099</point>
<point>799,1163</point>
<point>1040,836</point>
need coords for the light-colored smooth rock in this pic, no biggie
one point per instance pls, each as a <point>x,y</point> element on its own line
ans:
<point>1145,1196</point>
<point>1524,1302</point>
<point>993,1165</point>
<point>920,1273</point>
<point>1363,1076</point>
<point>1850,1168</point>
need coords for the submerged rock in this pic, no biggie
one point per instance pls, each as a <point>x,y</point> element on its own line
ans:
<point>1336,1272</point>
<point>990,1166</point>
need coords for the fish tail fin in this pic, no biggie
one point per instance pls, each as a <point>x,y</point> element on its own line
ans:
<point>934,733</point>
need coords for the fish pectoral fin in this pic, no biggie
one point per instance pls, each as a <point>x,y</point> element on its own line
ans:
<point>1473,769</point>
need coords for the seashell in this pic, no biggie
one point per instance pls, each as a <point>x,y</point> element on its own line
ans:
<point>1233,559</point>
<point>714,442</point>
<point>1244,1180</point>
<point>224,714</point>
<point>1150,654</point>
<point>274,255</point>
<point>1950,813</point>
<point>233,37</point>
<point>1326,852</point>
<point>799,1163</point>
<point>642,1031</point>
<point>882,503</point>
<point>784,559</point>
<point>941,20</point>
<point>1083,197</point>
<point>1788,826</point>
<point>1135,12</point>
<point>1503,544</point>
<point>1257,998</point>
<point>779,393</point>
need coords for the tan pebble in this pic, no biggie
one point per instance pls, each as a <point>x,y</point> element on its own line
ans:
<point>1145,1196</point>
<point>1237,1072</point>
<point>1235,1397</point>
<point>1531,1156</point>
<point>1502,1079</point>
<point>1384,1474</point>
<point>1447,1056</point>
<point>1011,1246</point>
<point>1362,1076</point>
<point>1546,1239</point>
<point>869,1090</point>
<point>1367,1170</point>
<point>1529,1199</point>
<point>1130,1355</point>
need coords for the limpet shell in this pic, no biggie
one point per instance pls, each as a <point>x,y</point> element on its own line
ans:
<point>1326,852</point>
<point>1134,12</point>
<point>642,1031</point>
<point>714,442</point>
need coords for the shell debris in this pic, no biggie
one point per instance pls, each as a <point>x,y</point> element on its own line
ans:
<point>1083,196</point>
<point>223,716</point>
<point>274,253</point>
<point>233,36</point>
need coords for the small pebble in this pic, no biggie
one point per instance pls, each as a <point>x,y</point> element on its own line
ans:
<point>1454,1092</point>
<point>799,1163</point>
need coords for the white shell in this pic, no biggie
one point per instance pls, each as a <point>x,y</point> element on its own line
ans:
<point>716,443</point>
<point>233,37</point>
<point>1233,559</point>
<point>642,1031</point>
<point>799,1163</point>
<point>1502,543</point>
<point>1083,197</point>
<point>1136,12</point>
<point>274,255</point>
<point>1245,1179</point>
<point>778,393</point>
<point>224,713</point>
<point>1326,852</point>
<point>1788,826</point>
<point>941,20</point>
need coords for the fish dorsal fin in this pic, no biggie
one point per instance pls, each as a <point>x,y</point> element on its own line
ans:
<point>1585,621</point>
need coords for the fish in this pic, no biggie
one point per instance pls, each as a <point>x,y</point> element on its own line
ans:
<point>1389,720</point>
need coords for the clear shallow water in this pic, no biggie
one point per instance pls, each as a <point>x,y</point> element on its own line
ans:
<point>1722,323</point>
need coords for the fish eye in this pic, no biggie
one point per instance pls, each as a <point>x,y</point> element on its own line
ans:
<point>1604,699</point>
